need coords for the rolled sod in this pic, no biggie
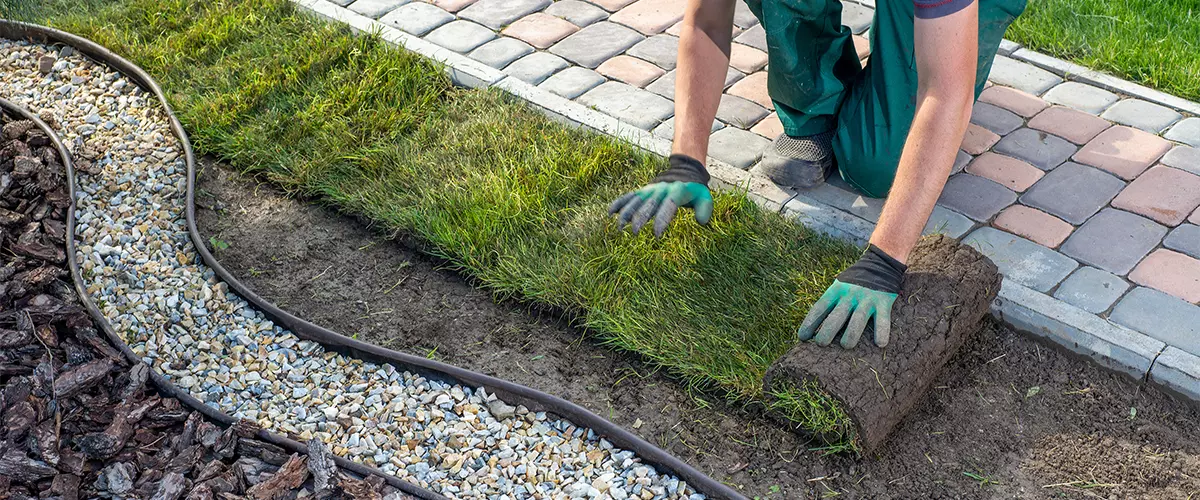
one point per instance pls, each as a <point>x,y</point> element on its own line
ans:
<point>862,394</point>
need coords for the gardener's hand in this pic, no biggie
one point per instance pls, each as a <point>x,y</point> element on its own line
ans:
<point>863,291</point>
<point>685,184</point>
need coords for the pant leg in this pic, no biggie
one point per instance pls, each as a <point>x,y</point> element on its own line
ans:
<point>875,117</point>
<point>811,61</point>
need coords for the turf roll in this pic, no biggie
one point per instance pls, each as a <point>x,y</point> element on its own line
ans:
<point>947,290</point>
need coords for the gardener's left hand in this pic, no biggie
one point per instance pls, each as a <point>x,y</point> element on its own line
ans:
<point>685,184</point>
<point>863,291</point>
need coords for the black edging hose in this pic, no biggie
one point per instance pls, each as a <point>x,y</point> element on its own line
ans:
<point>510,392</point>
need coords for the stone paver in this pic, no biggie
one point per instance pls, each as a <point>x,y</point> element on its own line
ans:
<point>453,5</point>
<point>375,9</point>
<point>746,59</point>
<point>591,46</point>
<point>1186,239</point>
<point>658,49</point>
<point>754,87</point>
<point>1167,195</point>
<point>976,197</point>
<point>1022,76</point>
<point>500,52</point>
<point>1195,218</point>
<point>496,14</point>
<point>572,82</point>
<point>1141,114</point>
<point>1184,158</point>
<point>1179,370</point>
<point>755,37</point>
<point>837,193</point>
<point>417,18</point>
<point>1161,316</point>
<point>1009,172</point>
<point>460,36</point>
<point>961,161</point>
<point>995,118</point>
<point>739,112</point>
<point>978,139</point>
<point>737,147</point>
<point>1021,103</point>
<point>1073,192</point>
<point>1091,289</point>
<point>1171,272</point>
<point>1081,96</point>
<point>948,222</point>
<point>632,105</point>
<point>1072,125</point>
<point>650,16</point>
<point>742,17</point>
<point>1123,151</point>
<point>1114,240</point>
<point>612,5</point>
<point>540,29</point>
<point>862,47</point>
<point>577,12</point>
<point>666,129</point>
<point>770,127</point>
<point>664,86</point>
<point>536,67</point>
<point>1042,150</point>
<point>1021,260</point>
<point>1036,225</point>
<point>630,70</point>
<point>857,17</point>
<point>1186,131</point>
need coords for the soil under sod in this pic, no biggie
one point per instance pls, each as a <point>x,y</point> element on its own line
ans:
<point>983,432</point>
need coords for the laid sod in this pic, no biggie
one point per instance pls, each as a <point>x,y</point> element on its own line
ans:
<point>506,195</point>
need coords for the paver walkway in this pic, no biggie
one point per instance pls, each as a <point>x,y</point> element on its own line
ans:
<point>1076,192</point>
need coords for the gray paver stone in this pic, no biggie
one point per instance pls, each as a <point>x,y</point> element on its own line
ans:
<point>496,14</point>
<point>755,37</point>
<point>664,85</point>
<point>743,17</point>
<point>1183,158</point>
<point>1185,239</point>
<point>739,112</point>
<point>976,197</point>
<point>857,17</point>
<point>572,82</point>
<point>658,49</point>
<point>1142,114</point>
<point>961,161</point>
<point>947,222</point>
<point>536,67</point>
<point>343,3</point>
<point>597,43</point>
<point>1082,97</point>
<point>498,53</point>
<point>1073,192</point>
<point>1091,289</point>
<point>1021,260</point>
<point>1186,131</point>
<point>1164,317</point>
<point>577,12</point>
<point>737,147</point>
<point>666,129</point>
<point>376,8</point>
<point>460,36</point>
<point>1114,240</point>
<point>837,193</point>
<point>1022,76</point>
<point>1179,370</point>
<point>629,104</point>
<point>994,118</point>
<point>417,18</point>
<point>1042,150</point>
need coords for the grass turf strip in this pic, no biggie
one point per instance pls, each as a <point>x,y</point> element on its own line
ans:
<point>492,186</point>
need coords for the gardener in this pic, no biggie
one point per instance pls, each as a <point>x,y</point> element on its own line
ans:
<point>892,128</point>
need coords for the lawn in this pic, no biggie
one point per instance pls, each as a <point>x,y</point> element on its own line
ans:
<point>1152,42</point>
<point>503,193</point>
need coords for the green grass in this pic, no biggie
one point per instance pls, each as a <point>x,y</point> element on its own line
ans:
<point>1152,42</point>
<point>500,191</point>
<point>821,414</point>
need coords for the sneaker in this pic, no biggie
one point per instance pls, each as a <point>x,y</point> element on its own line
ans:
<point>798,162</point>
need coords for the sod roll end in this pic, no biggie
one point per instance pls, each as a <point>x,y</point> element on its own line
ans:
<point>947,290</point>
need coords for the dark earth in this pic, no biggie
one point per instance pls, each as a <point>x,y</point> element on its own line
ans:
<point>1009,417</point>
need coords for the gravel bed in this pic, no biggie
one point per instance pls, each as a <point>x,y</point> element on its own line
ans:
<point>144,274</point>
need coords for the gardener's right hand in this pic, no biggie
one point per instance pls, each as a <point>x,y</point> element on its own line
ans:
<point>685,184</point>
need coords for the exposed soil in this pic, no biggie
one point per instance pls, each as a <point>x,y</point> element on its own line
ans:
<point>1008,418</point>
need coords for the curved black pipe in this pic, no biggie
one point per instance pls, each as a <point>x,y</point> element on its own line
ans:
<point>508,391</point>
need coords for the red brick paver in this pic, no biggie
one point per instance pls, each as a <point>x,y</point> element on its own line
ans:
<point>746,59</point>
<point>630,70</point>
<point>540,29</point>
<point>754,87</point>
<point>1075,126</point>
<point>1123,151</point>
<point>453,5</point>
<point>770,127</point>
<point>1010,172</point>
<point>978,140</point>
<point>1162,193</point>
<point>1021,103</point>
<point>1171,272</point>
<point>862,46</point>
<point>650,16</point>
<point>1036,225</point>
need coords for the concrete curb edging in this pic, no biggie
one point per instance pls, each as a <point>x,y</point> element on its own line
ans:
<point>1113,346</point>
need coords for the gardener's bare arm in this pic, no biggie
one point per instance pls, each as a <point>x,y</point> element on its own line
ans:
<point>946,53</point>
<point>700,72</point>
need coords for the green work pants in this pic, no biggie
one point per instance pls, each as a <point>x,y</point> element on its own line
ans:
<point>817,83</point>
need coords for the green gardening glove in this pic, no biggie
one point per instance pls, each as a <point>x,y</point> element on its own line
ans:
<point>685,184</point>
<point>864,291</point>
